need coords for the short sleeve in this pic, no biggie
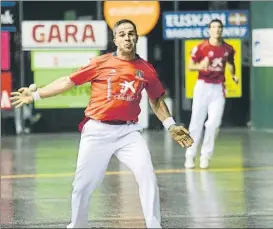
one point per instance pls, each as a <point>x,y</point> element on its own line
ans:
<point>85,74</point>
<point>231,56</point>
<point>154,86</point>
<point>196,54</point>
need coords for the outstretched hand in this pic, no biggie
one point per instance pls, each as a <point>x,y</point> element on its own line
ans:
<point>21,97</point>
<point>181,136</point>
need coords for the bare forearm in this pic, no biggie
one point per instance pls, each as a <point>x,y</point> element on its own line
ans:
<point>232,69</point>
<point>58,86</point>
<point>195,67</point>
<point>160,109</point>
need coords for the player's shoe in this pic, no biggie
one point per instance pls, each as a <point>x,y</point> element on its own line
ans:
<point>69,225</point>
<point>189,163</point>
<point>204,162</point>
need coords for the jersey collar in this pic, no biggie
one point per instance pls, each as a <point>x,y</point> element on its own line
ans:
<point>115,54</point>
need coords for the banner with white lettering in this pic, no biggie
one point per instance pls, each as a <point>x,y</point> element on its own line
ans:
<point>194,25</point>
<point>64,35</point>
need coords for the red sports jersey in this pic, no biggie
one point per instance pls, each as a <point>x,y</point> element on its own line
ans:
<point>218,57</point>
<point>116,87</point>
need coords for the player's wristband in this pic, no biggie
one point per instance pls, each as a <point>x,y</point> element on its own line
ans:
<point>36,96</point>
<point>168,122</point>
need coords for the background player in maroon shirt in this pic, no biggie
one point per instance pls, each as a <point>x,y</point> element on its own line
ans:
<point>210,59</point>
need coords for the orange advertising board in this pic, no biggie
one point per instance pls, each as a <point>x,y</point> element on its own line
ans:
<point>144,14</point>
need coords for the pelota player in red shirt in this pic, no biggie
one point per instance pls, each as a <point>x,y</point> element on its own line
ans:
<point>209,58</point>
<point>110,127</point>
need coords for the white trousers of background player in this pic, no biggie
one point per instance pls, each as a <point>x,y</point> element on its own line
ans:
<point>99,142</point>
<point>208,101</point>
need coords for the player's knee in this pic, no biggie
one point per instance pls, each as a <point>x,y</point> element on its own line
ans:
<point>145,173</point>
<point>212,124</point>
<point>148,179</point>
<point>82,186</point>
<point>196,125</point>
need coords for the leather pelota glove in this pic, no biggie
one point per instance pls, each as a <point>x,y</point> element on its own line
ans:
<point>181,135</point>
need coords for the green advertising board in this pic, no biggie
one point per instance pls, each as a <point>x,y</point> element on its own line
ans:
<point>51,65</point>
<point>77,97</point>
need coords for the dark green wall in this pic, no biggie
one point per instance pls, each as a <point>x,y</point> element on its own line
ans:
<point>261,16</point>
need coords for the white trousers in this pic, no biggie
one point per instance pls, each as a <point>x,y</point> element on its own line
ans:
<point>99,142</point>
<point>208,101</point>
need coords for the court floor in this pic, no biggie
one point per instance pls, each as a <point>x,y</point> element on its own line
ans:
<point>235,192</point>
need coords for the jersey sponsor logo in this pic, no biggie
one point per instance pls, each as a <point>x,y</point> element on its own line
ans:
<point>129,90</point>
<point>139,74</point>
<point>125,86</point>
<point>109,83</point>
<point>124,97</point>
<point>216,65</point>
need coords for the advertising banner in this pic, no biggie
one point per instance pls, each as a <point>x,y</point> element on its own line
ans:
<point>5,50</point>
<point>144,14</point>
<point>8,16</point>
<point>262,47</point>
<point>64,35</point>
<point>60,59</point>
<point>194,25</point>
<point>50,65</point>
<point>232,90</point>
<point>77,97</point>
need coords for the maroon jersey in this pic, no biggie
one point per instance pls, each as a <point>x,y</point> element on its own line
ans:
<point>218,57</point>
